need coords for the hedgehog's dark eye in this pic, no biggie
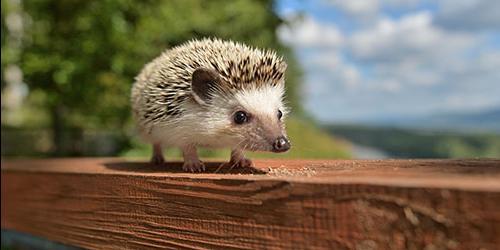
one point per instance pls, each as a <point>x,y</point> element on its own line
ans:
<point>280,114</point>
<point>240,117</point>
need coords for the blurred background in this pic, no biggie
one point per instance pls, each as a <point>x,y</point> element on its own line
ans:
<point>367,79</point>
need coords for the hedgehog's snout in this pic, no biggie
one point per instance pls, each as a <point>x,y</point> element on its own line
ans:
<point>281,144</point>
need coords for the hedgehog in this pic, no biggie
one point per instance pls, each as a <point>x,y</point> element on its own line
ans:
<point>212,93</point>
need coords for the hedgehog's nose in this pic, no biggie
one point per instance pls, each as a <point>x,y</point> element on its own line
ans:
<point>281,144</point>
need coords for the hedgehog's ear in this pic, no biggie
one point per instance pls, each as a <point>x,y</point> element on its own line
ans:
<point>203,82</point>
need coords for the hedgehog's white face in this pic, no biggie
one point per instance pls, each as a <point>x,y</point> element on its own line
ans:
<point>249,119</point>
<point>258,119</point>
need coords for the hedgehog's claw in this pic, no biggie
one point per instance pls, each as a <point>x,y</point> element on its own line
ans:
<point>237,163</point>
<point>239,160</point>
<point>193,166</point>
<point>244,163</point>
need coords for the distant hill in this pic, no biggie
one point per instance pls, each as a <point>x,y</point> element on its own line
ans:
<point>418,143</point>
<point>485,120</point>
<point>481,121</point>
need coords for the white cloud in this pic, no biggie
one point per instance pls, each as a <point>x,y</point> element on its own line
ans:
<point>308,32</point>
<point>325,41</point>
<point>391,86</point>
<point>404,66</point>
<point>469,15</point>
<point>338,70</point>
<point>400,3</point>
<point>411,36</point>
<point>365,12</point>
<point>362,9</point>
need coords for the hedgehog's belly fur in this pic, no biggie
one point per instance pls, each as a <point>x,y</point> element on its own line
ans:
<point>195,126</point>
<point>182,134</point>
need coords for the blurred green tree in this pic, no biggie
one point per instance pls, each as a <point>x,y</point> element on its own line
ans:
<point>82,55</point>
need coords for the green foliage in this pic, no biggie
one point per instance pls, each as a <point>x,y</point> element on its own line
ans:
<point>10,53</point>
<point>408,143</point>
<point>308,142</point>
<point>84,54</point>
<point>79,58</point>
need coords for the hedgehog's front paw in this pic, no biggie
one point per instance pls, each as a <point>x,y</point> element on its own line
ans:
<point>244,163</point>
<point>193,166</point>
<point>239,163</point>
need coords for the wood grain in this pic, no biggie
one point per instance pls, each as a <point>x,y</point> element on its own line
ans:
<point>110,203</point>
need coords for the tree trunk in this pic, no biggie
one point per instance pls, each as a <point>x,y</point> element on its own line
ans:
<point>57,130</point>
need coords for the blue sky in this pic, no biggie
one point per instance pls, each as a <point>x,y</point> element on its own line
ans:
<point>374,59</point>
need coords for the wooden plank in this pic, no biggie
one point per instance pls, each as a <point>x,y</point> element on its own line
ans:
<point>110,203</point>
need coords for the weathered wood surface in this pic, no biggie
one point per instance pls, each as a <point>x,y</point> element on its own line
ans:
<point>110,203</point>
